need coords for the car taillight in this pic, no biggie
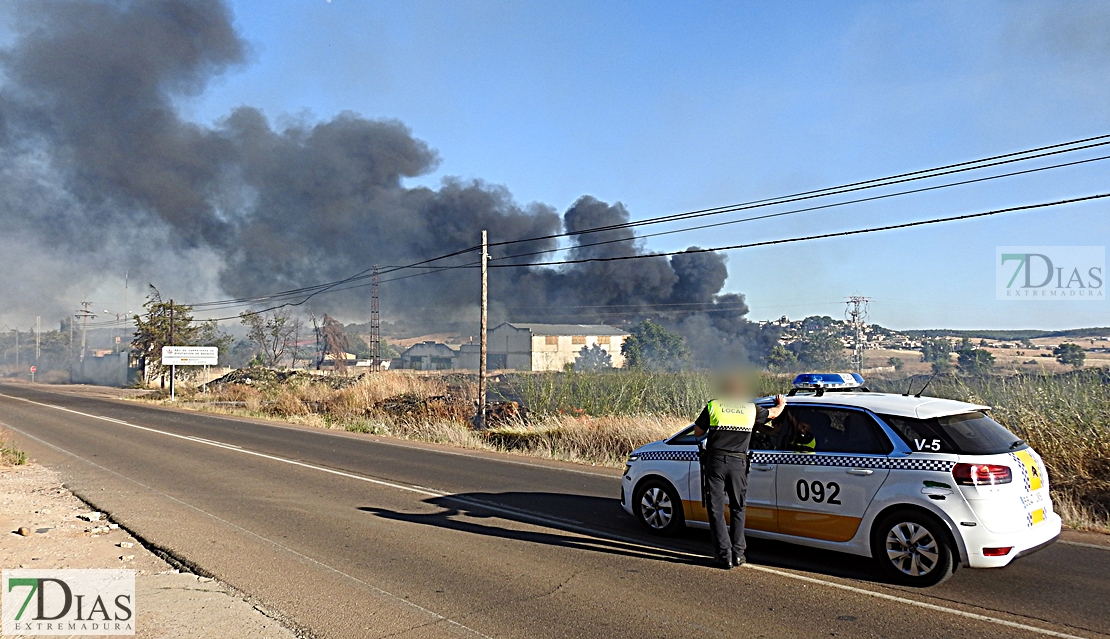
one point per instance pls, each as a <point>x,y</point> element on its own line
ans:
<point>997,552</point>
<point>981,474</point>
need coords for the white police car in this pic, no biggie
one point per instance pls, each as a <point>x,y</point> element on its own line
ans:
<point>921,484</point>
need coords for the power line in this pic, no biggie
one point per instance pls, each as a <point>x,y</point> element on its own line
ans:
<point>319,288</point>
<point>875,229</point>
<point>726,248</point>
<point>766,216</point>
<point>345,288</point>
<point>959,167</point>
<point>1017,156</point>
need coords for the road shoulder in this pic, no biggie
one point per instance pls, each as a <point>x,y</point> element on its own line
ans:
<point>170,603</point>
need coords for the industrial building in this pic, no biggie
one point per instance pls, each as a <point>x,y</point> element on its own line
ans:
<point>549,347</point>
<point>520,347</point>
<point>429,356</point>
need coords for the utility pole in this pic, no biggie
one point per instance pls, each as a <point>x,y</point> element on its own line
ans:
<point>38,337</point>
<point>173,369</point>
<point>16,348</point>
<point>84,315</point>
<point>375,326</point>
<point>480,419</point>
<point>856,315</point>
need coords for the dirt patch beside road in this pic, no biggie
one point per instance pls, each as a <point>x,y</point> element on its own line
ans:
<point>169,603</point>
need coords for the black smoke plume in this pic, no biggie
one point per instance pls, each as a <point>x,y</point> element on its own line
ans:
<point>100,175</point>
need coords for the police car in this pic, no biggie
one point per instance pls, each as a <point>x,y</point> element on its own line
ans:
<point>920,484</point>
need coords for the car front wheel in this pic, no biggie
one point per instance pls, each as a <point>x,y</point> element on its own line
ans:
<point>913,549</point>
<point>658,507</point>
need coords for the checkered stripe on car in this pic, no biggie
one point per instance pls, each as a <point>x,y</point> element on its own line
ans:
<point>817,459</point>
<point>669,455</point>
<point>1025,476</point>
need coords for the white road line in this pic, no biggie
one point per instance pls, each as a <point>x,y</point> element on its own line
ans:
<point>919,604</point>
<point>384,593</point>
<point>377,439</point>
<point>204,441</point>
<point>555,522</point>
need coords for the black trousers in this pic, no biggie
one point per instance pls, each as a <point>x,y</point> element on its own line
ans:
<point>727,475</point>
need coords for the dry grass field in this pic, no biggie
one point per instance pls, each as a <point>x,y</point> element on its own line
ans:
<point>600,418</point>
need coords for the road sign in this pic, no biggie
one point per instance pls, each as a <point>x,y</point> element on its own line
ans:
<point>190,356</point>
<point>34,369</point>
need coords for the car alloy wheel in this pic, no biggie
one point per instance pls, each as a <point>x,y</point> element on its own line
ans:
<point>912,549</point>
<point>656,508</point>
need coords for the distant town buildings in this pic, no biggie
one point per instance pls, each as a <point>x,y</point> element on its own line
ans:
<point>518,346</point>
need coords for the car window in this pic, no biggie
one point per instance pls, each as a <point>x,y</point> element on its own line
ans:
<point>685,438</point>
<point>766,437</point>
<point>763,438</point>
<point>831,430</point>
<point>971,433</point>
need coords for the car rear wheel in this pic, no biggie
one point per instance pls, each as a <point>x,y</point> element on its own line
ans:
<point>658,507</point>
<point>913,549</point>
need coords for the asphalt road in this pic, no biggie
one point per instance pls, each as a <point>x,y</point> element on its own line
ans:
<point>351,536</point>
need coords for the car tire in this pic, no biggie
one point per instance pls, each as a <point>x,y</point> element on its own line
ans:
<point>658,507</point>
<point>913,548</point>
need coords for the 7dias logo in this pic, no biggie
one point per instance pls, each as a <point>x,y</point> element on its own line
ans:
<point>69,602</point>
<point>1050,273</point>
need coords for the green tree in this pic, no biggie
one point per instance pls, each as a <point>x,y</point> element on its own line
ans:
<point>935,350</point>
<point>781,359</point>
<point>897,363</point>
<point>593,359</point>
<point>274,335</point>
<point>821,351</point>
<point>359,347</point>
<point>336,342</point>
<point>1070,355</point>
<point>942,367</point>
<point>975,361</point>
<point>652,347</point>
<point>164,324</point>
<point>209,334</point>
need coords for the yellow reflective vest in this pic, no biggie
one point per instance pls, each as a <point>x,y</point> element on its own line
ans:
<point>724,415</point>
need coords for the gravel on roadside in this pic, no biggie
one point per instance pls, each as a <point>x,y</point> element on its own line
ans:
<point>44,526</point>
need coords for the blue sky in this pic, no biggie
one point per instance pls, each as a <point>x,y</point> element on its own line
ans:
<point>668,107</point>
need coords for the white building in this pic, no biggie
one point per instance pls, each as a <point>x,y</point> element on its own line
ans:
<point>549,347</point>
<point>427,356</point>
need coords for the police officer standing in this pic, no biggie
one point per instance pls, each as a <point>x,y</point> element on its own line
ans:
<point>729,422</point>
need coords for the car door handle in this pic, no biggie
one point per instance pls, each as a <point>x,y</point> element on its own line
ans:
<point>860,471</point>
<point>763,466</point>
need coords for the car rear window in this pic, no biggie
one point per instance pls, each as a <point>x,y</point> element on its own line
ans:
<point>972,433</point>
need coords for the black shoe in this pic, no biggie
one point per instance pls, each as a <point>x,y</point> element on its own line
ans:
<point>739,560</point>
<point>724,564</point>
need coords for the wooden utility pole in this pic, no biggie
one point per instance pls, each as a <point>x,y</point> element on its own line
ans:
<point>173,369</point>
<point>84,315</point>
<point>480,420</point>
<point>375,326</point>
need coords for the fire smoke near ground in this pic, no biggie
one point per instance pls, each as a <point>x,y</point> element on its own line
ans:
<point>101,175</point>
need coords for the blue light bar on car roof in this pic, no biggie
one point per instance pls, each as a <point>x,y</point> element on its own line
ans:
<point>828,380</point>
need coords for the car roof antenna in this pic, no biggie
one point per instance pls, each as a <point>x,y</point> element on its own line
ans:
<point>909,386</point>
<point>927,384</point>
